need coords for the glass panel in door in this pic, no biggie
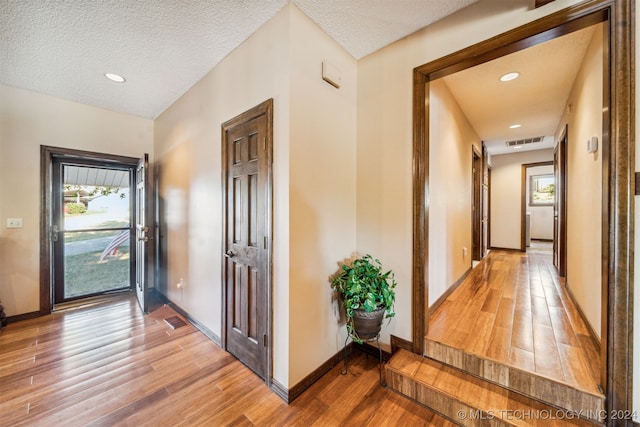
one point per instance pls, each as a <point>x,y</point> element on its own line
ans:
<point>95,231</point>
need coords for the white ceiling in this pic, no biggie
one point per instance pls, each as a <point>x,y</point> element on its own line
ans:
<point>536,100</point>
<point>162,47</point>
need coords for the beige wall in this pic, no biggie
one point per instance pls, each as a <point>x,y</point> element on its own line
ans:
<point>187,139</point>
<point>450,190</point>
<point>28,120</point>
<point>384,210</point>
<point>506,196</point>
<point>314,184</point>
<point>322,192</point>
<point>188,150</point>
<point>584,184</point>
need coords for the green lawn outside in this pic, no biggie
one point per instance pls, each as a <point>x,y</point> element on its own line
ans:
<point>84,274</point>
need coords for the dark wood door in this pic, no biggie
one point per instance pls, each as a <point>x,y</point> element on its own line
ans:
<point>560,206</point>
<point>556,229</point>
<point>484,239</point>
<point>476,207</point>
<point>143,236</point>
<point>247,189</point>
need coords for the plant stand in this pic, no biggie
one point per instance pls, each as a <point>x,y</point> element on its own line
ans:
<point>346,357</point>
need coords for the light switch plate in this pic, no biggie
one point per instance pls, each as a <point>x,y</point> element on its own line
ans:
<point>14,222</point>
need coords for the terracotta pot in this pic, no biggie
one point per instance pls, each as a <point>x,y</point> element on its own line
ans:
<point>367,325</point>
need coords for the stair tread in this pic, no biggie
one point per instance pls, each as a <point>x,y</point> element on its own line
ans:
<point>475,392</point>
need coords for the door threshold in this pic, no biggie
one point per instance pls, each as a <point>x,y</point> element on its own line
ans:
<point>91,301</point>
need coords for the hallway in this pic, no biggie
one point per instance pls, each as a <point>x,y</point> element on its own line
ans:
<point>514,312</point>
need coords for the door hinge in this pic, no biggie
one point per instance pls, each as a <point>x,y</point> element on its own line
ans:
<point>265,242</point>
<point>264,143</point>
<point>264,339</point>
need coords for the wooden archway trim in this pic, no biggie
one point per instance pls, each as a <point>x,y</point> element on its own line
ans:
<point>618,167</point>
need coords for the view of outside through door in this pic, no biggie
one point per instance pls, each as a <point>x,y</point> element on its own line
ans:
<point>96,230</point>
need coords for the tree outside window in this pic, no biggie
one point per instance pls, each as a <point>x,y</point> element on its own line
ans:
<point>542,190</point>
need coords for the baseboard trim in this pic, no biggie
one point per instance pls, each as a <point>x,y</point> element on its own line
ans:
<point>24,316</point>
<point>592,332</point>
<point>372,350</point>
<point>398,343</point>
<point>208,332</point>
<point>280,390</point>
<point>314,376</point>
<point>495,248</point>
<point>448,292</point>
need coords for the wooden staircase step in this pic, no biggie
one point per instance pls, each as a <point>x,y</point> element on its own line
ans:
<point>468,400</point>
<point>536,386</point>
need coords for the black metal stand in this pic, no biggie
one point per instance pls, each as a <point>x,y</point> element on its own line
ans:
<point>346,357</point>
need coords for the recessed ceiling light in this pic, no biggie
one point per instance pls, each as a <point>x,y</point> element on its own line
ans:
<point>115,77</point>
<point>509,76</point>
<point>516,126</point>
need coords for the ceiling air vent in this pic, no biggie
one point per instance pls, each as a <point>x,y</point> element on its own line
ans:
<point>524,141</point>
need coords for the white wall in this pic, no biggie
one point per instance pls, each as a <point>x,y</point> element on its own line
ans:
<point>450,190</point>
<point>506,195</point>
<point>27,121</point>
<point>541,216</point>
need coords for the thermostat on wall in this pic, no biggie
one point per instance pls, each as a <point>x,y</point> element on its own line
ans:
<point>331,74</point>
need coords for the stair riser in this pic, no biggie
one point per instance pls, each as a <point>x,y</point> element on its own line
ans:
<point>529,384</point>
<point>432,398</point>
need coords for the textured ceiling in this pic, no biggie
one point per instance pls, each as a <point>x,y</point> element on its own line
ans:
<point>536,99</point>
<point>163,47</point>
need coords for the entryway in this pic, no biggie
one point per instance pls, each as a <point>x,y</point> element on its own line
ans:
<point>94,226</point>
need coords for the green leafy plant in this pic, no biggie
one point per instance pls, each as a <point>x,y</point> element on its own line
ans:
<point>364,285</point>
<point>75,208</point>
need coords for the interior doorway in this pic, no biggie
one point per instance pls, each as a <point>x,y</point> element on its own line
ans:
<point>538,195</point>
<point>247,145</point>
<point>617,199</point>
<point>560,206</point>
<point>477,251</point>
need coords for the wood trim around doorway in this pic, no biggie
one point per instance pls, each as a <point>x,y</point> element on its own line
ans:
<point>618,168</point>
<point>266,109</point>
<point>47,153</point>
<point>523,202</point>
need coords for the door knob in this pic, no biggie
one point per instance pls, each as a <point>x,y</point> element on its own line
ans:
<point>229,254</point>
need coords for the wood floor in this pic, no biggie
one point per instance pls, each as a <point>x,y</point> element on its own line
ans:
<point>108,365</point>
<point>514,309</point>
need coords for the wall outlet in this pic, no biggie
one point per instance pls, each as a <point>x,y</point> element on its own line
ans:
<point>14,222</point>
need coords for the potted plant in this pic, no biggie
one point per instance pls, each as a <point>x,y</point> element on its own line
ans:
<point>367,293</point>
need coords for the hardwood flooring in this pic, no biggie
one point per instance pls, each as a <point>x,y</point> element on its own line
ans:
<point>514,309</point>
<point>108,365</point>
